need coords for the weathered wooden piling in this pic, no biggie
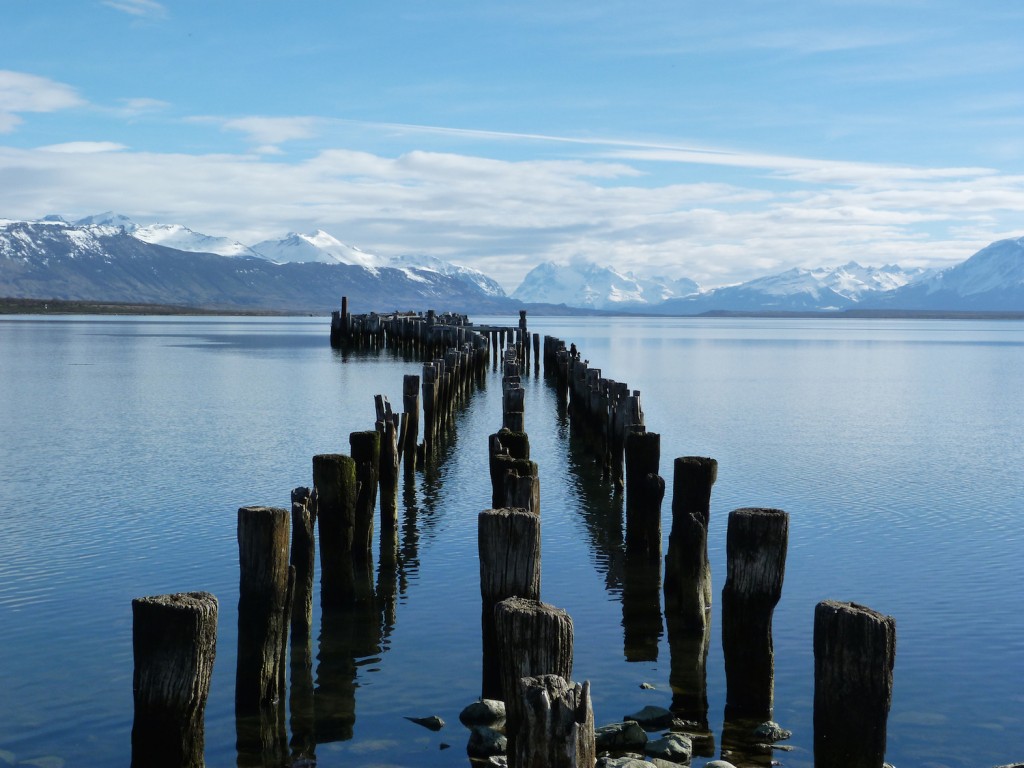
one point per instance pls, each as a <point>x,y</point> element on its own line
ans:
<point>756,544</point>
<point>266,586</point>
<point>389,433</point>
<point>431,380</point>
<point>174,641</point>
<point>365,448</point>
<point>263,609</point>
<point>534,638</point>
<point>854,655</point>
<point>645,490</point>
<point>411,417</point>
<point>303,556</point>
<point>508,542</point>
<point>687,568</point>
<point>334,477</point>
<point>557,727</point>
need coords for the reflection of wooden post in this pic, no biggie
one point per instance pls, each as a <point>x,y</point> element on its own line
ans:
<point>174,640</point>
<point>854,653</point>
<point>534,638</point>
<point>509,550</point>
<point>334,476</point>
<point>643,494</point>
<point>756,545</point>
<point>688,655</point>
<point>687,569</point>
<point>557,729</point>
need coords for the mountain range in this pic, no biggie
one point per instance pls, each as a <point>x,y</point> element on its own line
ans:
<point>111,258</point>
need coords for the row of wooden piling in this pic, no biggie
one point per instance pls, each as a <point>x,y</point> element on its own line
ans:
<point>528,645</point>
<point>174,636</point>
<point>854,646</point>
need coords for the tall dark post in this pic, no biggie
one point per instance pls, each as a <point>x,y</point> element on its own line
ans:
<point>174,640</point>
<point>756,545</point>
<point>411,415</point>
<point>643,495</point>
<point>334,477</point>
<point>854,655</point>
<point>303,556</point>
<point>508,542</point>
<point>687,568</point>
<point>265,589</point>
<point>365,448</point>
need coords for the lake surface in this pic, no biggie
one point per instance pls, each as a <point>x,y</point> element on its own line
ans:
<point>897,447</point>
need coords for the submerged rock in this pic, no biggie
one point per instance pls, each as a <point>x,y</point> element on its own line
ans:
<point>433,722</point>
<point>719,764</point>
<point>620,736</point>
<point>771,732</point>
<point>652,718</point>
<point>672,746</point>
<point>486,742</point>
<point>623,762</point>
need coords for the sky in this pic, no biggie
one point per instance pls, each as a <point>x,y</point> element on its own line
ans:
<point>719,142</point>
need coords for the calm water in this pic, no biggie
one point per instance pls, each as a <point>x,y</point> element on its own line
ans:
<point>897,447</point>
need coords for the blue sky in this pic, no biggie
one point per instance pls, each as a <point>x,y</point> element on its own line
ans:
<point>717,142</point>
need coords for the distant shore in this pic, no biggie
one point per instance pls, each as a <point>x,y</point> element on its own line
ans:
<point>9,306</point>
<point>62,307</point>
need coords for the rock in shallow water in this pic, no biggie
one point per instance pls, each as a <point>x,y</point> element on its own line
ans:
<point>672,746</point>
<point>652,718</point>
<point>486,742</point>
<point>618,737</point>
<point>483,712</point>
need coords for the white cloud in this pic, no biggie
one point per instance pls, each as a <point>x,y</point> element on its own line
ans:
<point>83,147</point>
<point>273,130</point>
<point>21,92</point>
<point>505,217</point>
<point>140,8</point>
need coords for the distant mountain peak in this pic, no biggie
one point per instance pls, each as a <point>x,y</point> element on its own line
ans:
<point>317,246</point>
<point>583,283</point>
<point>107,219</point>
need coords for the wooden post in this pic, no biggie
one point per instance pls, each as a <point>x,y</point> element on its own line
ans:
<point>534,638</point>
<point>854,654</point>
<point>557,729</point>
<point>266,584</point>
<point>365,448</point>
<point>387,426</point>
<point>430,406</point>
<point>687,568</point>
<point>174,641</point>
<point>303,555</point>
<point>508,542</point>
<point>756,544</point>
<point>411,414</point>
<point>643,494</point>
<point>334,477</point>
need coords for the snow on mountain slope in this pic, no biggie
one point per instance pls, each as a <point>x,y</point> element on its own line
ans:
<point>315,247</point>
<point>583,283</point>
<point>184,239</point>
<point>468,274</point>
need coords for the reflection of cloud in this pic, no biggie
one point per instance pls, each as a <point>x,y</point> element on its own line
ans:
<point>148,8</point>
<point>21,92</point>
<point>505,217</point>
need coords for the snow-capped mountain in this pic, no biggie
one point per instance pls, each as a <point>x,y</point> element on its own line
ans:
<point>990,280</point>
<point>588,285</point>
<point>801,290</point>
<point>315,247</point>
<point>106,261</point>
<point>184,239</point>
<point>475,276</point>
